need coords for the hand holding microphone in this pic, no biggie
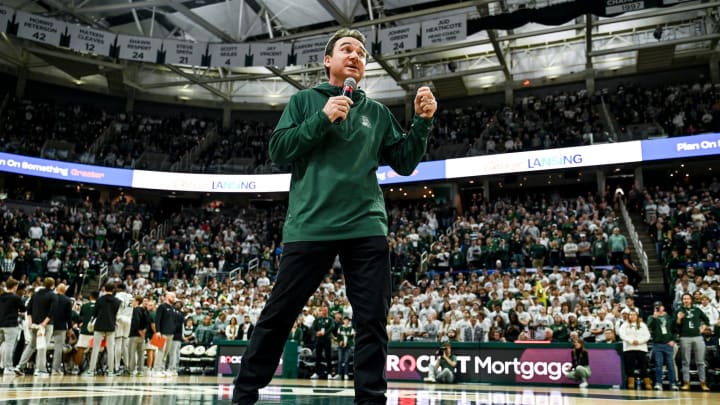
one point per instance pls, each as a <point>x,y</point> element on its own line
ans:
<point>337,108</point>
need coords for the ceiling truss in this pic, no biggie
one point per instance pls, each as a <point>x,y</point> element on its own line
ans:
<point>502,43</point>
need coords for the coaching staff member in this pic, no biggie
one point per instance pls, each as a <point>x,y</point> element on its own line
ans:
<point>335,144</point>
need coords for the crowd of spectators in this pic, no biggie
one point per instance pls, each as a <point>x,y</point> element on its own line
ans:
<point>558,120</point>
<point>536,267</point>
<point>242,148</point>
<point>683,224</point>
<point>28,126</point>
<point>492,242</point>
<point>564,118</point>
<point>510,269</point>
<point>684,109</point>
<point>69,131</point>
<point>168,137</point>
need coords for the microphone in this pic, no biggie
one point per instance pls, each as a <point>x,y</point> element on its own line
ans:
<point>347,90</point>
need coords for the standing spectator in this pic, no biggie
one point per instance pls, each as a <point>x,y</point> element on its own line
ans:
<point>157,266</point>
<point>474,332</point>
<point>189,332</point>
<point>297,331</point>
<point>395,329</point>
<point>584,251</point>
<point>136,345</point>
<point>635,335</point>
<point>689,321</point>
<point>570,252</point>
<point>323,327</point>
<point>165,327</point>
<point>35,232</point>
<point>53,267</point>
<point>662,330</point>
<point>105,314</point>
<point>232,330</point>
<point>22,266</point>
<point>708,309</point>
<point>345,345</point>
<point>630,269</point>
<point>11,306</point>
<point>344,215</point>
<point>246,329</point>
<point>600,249</point>
<point>617,244</point>
<point>205,333</point>
<point>42,308</point>
<point>137,225</point>
<point>62,323</point>
<point>559,329</point>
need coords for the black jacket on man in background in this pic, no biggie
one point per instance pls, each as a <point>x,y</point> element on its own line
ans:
<point>62,316</point>
<point>165,319</point>
<point>105,313</point>
<point>11,305</point>
<point>42,305</point>
<point>139,322</point>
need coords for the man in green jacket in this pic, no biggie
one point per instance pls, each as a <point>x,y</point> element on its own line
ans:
<point>323,328</point>
<point>662,330</point>
<point>335,141</point>
<point>690,320</point>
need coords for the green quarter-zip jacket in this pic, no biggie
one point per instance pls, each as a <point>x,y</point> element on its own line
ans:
<point>689,326</point>
<point>334,192</point>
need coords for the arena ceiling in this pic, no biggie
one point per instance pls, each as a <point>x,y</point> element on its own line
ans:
<point>486,61</point>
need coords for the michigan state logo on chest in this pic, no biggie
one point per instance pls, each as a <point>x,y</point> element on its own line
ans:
<point>365,121</point>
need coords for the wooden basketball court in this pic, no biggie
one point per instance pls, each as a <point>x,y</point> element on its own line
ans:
<point>217,390</point>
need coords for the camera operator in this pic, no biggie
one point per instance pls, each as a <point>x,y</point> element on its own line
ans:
<point>443,370</point>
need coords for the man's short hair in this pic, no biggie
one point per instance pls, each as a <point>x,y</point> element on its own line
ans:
<point>10,283</point>
<point>49,282</point>
<point>342,33</point>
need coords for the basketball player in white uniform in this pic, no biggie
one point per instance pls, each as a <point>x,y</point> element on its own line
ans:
<point>122,326</point>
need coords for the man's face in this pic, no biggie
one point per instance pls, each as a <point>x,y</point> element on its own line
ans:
<point>347,60</point>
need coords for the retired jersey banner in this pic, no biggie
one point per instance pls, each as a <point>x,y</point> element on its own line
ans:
<point>183,52</point>
<point>398,39</point>
<point>5,14</point>
<point>229,55</point>
<point>39,29</point>
<point>88,40</point>
<point>269,54</point>
<point>140,49</point>
<point>444,30</point>
<point>623,6</point>
<point>309,51</point>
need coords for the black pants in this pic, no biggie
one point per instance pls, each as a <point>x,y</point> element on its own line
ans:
<point>323,357</point>
<point>366,265</point>
<point>636,360</point>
